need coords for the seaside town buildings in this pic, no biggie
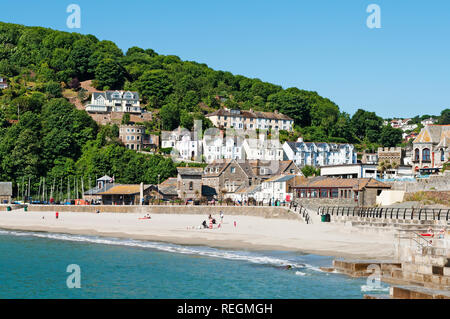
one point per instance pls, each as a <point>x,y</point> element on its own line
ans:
<point>250,120</point>
<point>186,145</point>
<point>102,184</point>
<point>135,138</point>
<point>360,170</point>
<point>403,124</point>
<point>114,101</point>
<point>391,155</point>
<point>129,194</point>
<point>353,191</point>
<point>319,154</point>
<point>278,188</point>
<point>431,148</point>
<point>263,149</point>
<point>429,121</point>
<point>189,182</point>
<point>369,158</point>
<point>3,83</point>
<point>226,177</point>
<point>218,147</point>
<point>110,107</point>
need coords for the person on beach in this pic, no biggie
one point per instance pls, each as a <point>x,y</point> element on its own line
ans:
<point>204,224</point>
<point>221,217</point>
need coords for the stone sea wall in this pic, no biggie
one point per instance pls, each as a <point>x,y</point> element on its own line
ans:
<point>437,183</point>
<point>266,212</point>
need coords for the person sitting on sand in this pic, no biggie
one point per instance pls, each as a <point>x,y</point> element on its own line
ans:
<point>204,224</point>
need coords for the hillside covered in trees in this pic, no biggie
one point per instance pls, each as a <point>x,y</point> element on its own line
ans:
<point>43,135</point>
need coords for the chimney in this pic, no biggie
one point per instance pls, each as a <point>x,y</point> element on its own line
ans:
<point>300,139</point>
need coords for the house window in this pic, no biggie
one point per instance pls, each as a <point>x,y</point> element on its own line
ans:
<point>233,170</point>
<point>323,193</point>
<point>335,193</point>
<point>191,186</point>
<point>416,154</point>
<point>442,155</point>
<point>426,154</point>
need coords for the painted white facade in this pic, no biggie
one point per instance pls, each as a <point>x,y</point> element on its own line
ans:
<point>319,154</point>
<point>276,188</point>
<point>216,148</point>
<point>185,144</point>
<point>263,149</point>
<point>114,101</point>
<point>364,171</point>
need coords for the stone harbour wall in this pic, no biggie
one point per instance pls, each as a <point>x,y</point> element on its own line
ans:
<point>266,211</point>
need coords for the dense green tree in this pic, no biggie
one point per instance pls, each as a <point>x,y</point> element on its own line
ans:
<point>366,124</point>
<point>390,136</point>
<point>170,116</point>
<point>155,86</point>
<point>445,117</point>
<point>292,103</point>
<point>109,74</point>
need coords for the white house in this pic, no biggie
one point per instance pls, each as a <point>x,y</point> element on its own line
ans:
<point>114,101</point>
<point>429,121</point>
<point>185,145</point>
<point>277,188</point>
<point>217,147</point>
<point>250,120</point>
<point>3,83</point>
<point>319,154</point>
<point>263,149</point>
<point>360,170</point>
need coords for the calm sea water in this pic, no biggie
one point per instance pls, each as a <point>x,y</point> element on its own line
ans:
<point>34,264</point>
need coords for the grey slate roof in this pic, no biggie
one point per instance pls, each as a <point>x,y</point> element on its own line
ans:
<point>190,170</point>
<point>95,190</point>
<point>108,95</point>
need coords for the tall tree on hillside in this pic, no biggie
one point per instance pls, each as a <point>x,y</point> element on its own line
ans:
<point>390,137</point>
<point>109,74</point>
<point>367,124</point>
<point>445,117</point>
<point>292,103</point>
<point>154,86</point>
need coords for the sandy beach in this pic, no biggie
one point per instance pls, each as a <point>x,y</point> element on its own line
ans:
<point>250,232</point>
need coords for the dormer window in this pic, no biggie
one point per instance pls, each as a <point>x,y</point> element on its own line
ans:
<point>128,96</point>
<point>116,95</point>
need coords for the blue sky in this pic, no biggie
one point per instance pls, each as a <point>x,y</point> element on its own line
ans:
<point>401,69</point>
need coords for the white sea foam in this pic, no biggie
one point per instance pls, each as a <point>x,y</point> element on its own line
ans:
<point>251,257</point>
<point>299,273</point>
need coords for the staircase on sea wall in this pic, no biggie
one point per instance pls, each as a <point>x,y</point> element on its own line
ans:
<point>421,268</point>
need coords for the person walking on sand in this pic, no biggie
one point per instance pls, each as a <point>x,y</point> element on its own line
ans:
<point>221,217</point>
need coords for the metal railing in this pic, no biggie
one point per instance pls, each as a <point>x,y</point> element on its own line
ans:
<point>297,208</point>
<point>387,212</point>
